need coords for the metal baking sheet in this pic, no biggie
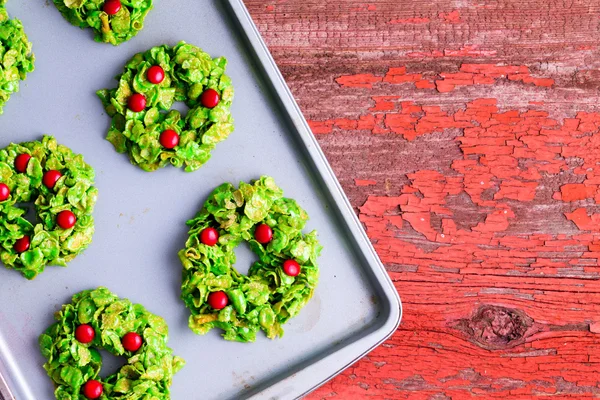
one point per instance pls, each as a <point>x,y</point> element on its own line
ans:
<point>140,217</point>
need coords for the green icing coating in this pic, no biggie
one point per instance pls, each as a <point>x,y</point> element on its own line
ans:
<point>189,71</point>
<point>74,191</point>
<point>113,29</point>
<point>148,372</point>
<point>265,298</point>
<point>16,58</point>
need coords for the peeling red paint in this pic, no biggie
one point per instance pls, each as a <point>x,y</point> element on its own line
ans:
<point>399,75</point>
<point>361,80</point>
<point>585,222</point>
<point>452,17</point>
<point>365,7</point>
<point>576,191</point>
<point>384,103</point>
<point>487,74</point>
<point>319,127</point>
<point>504,153</point>
<point>365,182</point>
<point>468,75</point>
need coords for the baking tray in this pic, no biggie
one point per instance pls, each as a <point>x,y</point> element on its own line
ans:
<point>140,217</point>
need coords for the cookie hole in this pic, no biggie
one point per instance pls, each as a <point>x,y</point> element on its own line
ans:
<point>181,107</point>
<point>30,213</point>
<point>110,364</point>
<point>245,257</point>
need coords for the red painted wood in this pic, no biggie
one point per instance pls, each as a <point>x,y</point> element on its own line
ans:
<point>466,135</point>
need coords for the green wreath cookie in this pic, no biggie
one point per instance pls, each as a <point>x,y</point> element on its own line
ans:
<point>60,185</point>
<point>98,319</point>
<point>277,286</point>
<point>143,124</point>
<point>16,58</point>
<point>113,21</point>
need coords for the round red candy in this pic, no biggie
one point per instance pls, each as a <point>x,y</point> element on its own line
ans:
<point>22,245</point>
<point>155,74</point>
<point>21,162</point>
<point>50,178</point>
<point>209,236</point>
<point>85,333</point>
<point>111,7</point>
<point>218,300</point>
<point>291,267</point>
<point>132,341</point>
<point>263,233</point>
<point>66,219</point>
<point>136,102</point>
<point>4,192</point>
<point>210,98</point>
<point>92,389</point>
<point>169,139</point>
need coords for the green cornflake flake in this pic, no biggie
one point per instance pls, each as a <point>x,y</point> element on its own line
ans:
<point>266,298</point>
<point>189,71</point>
<point>113,29</point>
<point>75,191</point>
<point>147,374</point>
<point>16,58</point>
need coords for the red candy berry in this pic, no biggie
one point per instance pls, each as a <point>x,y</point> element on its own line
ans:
<point>155,74</point>
<point>85,333</point>
<point>111,7</point>
<point>4,192</point>
<point>209,236</point>
<point>132,341</point>
<point>50,178</point>
<point>169,139</point>
<point>263,233</point>
<point>66,219</point>
<point>136,102</point>
<point>218,300</point>
<point>210,98</point>
<point>21,162</point>
<point>92,389</point>
<point>291,267</point>
<point>22,245</point>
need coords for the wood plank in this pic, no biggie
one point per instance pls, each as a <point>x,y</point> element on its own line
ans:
<point>466,135</point>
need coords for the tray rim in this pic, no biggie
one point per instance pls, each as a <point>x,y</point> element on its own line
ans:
<point>13,382</point>
<point>393,303</point>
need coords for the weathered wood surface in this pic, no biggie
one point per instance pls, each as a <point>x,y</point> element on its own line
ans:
<point>466,135</point>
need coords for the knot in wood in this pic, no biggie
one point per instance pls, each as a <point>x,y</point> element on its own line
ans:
<point>496,327</point>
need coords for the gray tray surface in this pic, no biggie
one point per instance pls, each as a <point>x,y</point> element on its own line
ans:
<point>140,217</point>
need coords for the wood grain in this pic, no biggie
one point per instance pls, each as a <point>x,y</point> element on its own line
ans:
<point>466,135</point>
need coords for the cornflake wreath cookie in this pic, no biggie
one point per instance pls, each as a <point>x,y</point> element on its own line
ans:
<point>143,124</point>
<point>60,185</point>
<point>113,21</point>
<point>16,58</point>
<point>277,286</point>
<point>98,319</point>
